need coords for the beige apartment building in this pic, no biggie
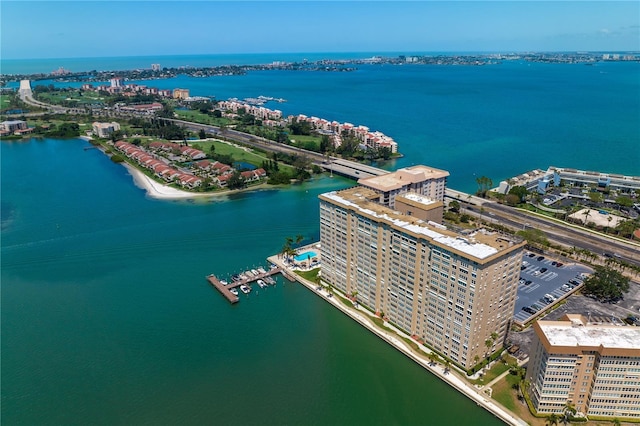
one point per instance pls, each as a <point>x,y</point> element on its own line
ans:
<point>421,180</point>
<point>452,291</point>
<point>594,367</point>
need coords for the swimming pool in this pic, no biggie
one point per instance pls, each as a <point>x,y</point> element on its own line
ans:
<point>304,256</point>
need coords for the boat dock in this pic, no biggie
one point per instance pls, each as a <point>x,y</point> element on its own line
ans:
<point>243,279</point>
<point>214,281</point>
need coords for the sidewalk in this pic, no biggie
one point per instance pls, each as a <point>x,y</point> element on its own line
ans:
<point>363,317</point>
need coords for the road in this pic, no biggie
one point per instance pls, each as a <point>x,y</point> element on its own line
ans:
<point>559,233</point>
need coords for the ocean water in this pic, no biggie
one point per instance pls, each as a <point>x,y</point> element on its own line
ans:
<point>107,317</point>
<point>496,120</point>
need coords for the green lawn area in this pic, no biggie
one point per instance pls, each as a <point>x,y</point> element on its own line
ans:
<point>506,396</point>
<point>309,275</point>
<point>239,154</point>
<point>497,369</point>
<point>198,117</point>
<point>303,141</point>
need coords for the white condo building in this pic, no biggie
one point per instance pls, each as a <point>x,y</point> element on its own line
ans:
<point>592,366</point>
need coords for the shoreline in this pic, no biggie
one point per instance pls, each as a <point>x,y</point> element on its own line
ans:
<point>159,191</point>
<point>451,378</point>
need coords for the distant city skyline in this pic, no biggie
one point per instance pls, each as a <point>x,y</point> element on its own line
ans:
<point>49,29</point>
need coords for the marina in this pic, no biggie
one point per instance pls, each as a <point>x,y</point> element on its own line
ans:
<point>229,289</point>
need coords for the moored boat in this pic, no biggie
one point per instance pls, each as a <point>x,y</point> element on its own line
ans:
<point>245,289</point>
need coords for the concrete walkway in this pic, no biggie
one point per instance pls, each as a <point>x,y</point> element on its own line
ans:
<point>395,337</point>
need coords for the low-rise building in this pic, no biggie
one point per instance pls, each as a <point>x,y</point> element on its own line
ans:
<point>13,125</point>
<point>180,93</point>
<point>594,367</point>
<point>104,130</point>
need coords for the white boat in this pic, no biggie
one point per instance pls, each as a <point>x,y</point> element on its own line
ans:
<point>254,272</point>
<point>233,291</point>
<point>262,284</point>
<point>223,282</point>
<point>245,289</point>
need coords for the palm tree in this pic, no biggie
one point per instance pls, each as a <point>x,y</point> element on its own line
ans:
<point>447,366</point>
<point>433,358</point>
<point>586,214</point>
<point>552,419</point>
<point>488,343</point>
<point>568,412</point>
<point>299,239</point>
<point>609,219</point>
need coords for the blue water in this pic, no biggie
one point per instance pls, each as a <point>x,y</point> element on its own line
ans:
<point>107,318</point>
<point>305,256</point>
<point>497,121</point>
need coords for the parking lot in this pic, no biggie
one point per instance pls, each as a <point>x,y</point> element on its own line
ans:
<point>542,282</point>
<point>595,312</point>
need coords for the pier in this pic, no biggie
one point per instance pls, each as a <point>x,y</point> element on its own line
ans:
<point>246,278</point>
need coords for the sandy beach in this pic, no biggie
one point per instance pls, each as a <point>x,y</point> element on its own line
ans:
<point>164,192</point>
<point>157,190</point>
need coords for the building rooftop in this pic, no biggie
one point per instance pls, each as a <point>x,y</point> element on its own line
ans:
<point>480,244</point>
<point>576,331</point>
<point>413,196</point>
<point>403,177</point>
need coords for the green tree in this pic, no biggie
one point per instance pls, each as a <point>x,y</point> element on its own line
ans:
<point>568,412</point>
<point>534,236</point>
<point>235,181</point>
<point>606,284</point>
<point>202,134</point>
<point>552,419</point>
<point>484,185</point>
<point>624,201</point>
<point>454,206</point>
<point>595,197</point>
<point>519,191</point>
<point>586,215</point>
<point>512,200</point>
<point>433,358</point>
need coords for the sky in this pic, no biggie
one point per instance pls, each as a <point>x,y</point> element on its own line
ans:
<point>69,29</point>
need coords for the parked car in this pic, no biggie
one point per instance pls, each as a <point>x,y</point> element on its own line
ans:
<point>540,258</point>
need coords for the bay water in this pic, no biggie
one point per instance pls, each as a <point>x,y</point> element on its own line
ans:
<point>107,317</point>
<point>106,314</point>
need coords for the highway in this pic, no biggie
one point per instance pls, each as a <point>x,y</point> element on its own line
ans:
<point>558,233</point>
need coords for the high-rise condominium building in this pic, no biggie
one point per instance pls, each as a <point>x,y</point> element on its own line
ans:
<point>594,367</point>
<point>455,292</point>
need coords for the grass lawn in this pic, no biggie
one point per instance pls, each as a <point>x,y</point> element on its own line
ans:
<point>198,117</point>
<point>506,396</point>
<point>309,275</point>
<point>303,141</point>
<point>497,369</point>
<point>239,154</point>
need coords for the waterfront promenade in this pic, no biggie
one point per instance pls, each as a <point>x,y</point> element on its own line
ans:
<point>394,338</point>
